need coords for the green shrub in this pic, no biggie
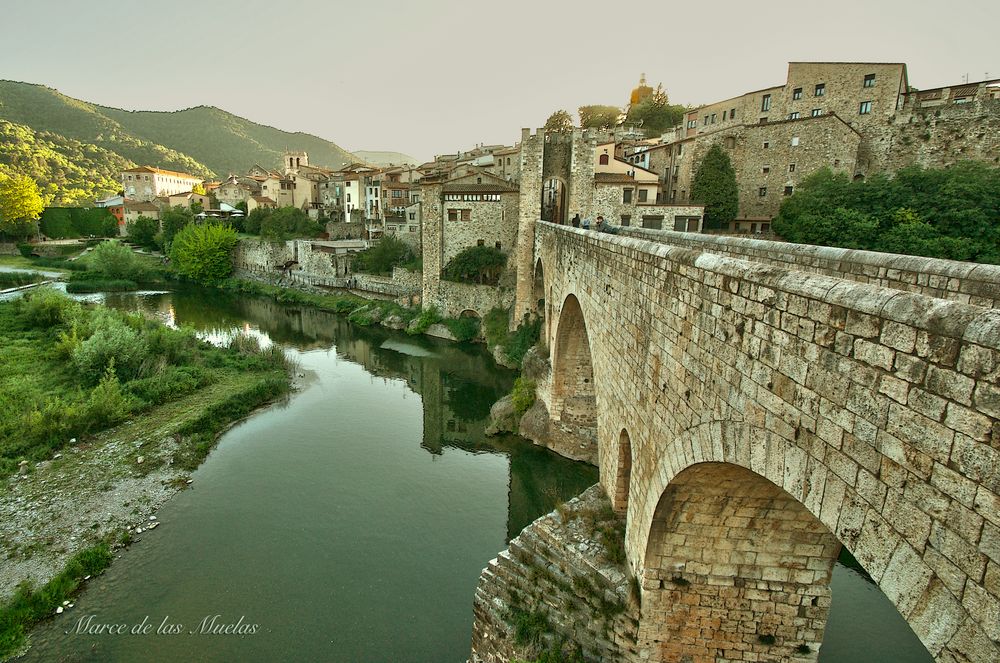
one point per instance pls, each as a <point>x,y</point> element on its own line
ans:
<point>463,329</point>
<point>476,264</point>
<point>523,395</point>
<point>495,326</point>
<point>523,338</point>
<point>172,383</point>
<point>172,221</point>
<point>107,404</point>
<point>114,261</point>
<point>45,308</point>
<point>202,252</point>
<point>385,254</point>
<point>25,249</point>
<point>427,317</point>
<point>113,344</point>
<point>14,279</point>
<point>288,223</point>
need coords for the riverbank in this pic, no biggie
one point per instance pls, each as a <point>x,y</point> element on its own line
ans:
<point>88,467</point>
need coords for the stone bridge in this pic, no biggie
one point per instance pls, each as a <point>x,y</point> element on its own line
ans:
<point>758,405</point>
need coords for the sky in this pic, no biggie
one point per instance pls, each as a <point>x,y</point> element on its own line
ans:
<point>428,77</point>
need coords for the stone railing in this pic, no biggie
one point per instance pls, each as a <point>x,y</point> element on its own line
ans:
<point>965,282</point>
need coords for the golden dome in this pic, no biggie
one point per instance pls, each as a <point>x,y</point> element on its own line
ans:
<point>640,92</point>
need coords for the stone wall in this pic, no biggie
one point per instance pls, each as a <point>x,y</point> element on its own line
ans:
<point>937,137</point>
<point>452,298</point>
<point>873,408</point>
<point>490,223</point>
<point>556,576</point>
<point>965,282</point>
<point>261,256</point>
<point>529,211</point>
<point>607,201</point>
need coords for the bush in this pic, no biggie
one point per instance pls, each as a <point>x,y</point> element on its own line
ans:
<point>427,317</point>
<point>169,385</point>
<point>523,338</point>
<point>385,254</point>
<point>172,221</point>
<point>476,264</point>
<point>115,261</point>
<point>107,404</point>
<point>463,329</point>
<point>113,344</point>
<point>203,252</point>
<point>45,308</point>
<point>523,395</point>
<point>25,249</point>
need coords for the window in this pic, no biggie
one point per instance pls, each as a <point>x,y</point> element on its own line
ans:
<point>797,93</point>
<point>765,170</point>
<point>603,159</point>
<point>480,242</point>
<point>713,118</point>
<point>763,120</point>
<point>643,195</point>
<point>791,167</point>
<point>766,144</point>
<point>692,124</point>
<point>865,108</point>
<point>626,219</point>
<point>626,195</point>
<point>732,113</point>
<point>820,90</point>
<point>869,80</point>
<point>508,161</point>
<point>730,142</point>
<point>795,141</point>
<point>653,221</point>
<point>453,215</point>
<point>479,180</point>
<point>413,216</point>
<point>467,215</point>
<point>762,191</point>
<point>816,112</point>
<point>765,103</point>
<point>412,229</point>
<point>348,196</point>
<point>793,116</point>
<point>704,122</point>
<point>680,150</point>
<point>788,190</point>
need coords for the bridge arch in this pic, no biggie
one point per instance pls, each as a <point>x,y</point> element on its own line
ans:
<point>574,397</point>
<point>827,510</point>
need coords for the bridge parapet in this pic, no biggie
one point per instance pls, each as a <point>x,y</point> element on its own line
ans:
<point>966,282</point>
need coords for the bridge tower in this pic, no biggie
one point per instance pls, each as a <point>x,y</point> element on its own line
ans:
<point>530,210</point>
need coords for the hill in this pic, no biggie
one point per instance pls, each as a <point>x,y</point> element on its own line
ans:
<point>204,141</point>
<point>377,158</point>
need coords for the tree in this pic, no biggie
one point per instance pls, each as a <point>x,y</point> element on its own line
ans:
<point>172,221</point>
<point>114,260</point>
<point>559,121</point>
<point>654,117</point>
<point>387,253</point>
<point>203,252</point>
<point>288,223</point>
<point>476,264</point>
<point>143,231</point>
<point>937,212</point>
<point>198,188</point>
<point>599,117</point>
<point>714,186</point>
<point>20,204</point>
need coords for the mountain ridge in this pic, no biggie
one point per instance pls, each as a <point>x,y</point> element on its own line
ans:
<point>204,140</point>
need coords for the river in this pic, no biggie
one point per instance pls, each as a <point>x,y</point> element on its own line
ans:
<point>351,521</point>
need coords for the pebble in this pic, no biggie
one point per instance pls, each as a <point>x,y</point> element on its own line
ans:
<point>152,517</point>
<point>153,526</point>
<point>57,456</point>
<point>65,602</point>
<point>59,610</point>
<point>72,440</point>
<point>139,460</point>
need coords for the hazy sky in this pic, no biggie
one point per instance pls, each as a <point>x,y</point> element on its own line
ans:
<point>433,76</point>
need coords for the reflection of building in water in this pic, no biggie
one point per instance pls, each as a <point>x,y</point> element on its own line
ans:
<point>457,387</point>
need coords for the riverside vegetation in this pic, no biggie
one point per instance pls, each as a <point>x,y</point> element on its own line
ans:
<point>70,374</point>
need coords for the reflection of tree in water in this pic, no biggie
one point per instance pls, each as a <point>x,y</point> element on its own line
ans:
<point>467,399</point>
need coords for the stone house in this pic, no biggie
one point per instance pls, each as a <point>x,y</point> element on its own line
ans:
<point>232,191</point>
<point>478,210</point>
<point>136,208</point>
<point>146,183</point>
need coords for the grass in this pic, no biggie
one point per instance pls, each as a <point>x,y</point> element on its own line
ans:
<point>29,606</point>
<point>100,285</point>
<point>60,378</point>
<point>15,279</point>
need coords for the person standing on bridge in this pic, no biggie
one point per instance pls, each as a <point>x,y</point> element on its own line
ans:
<point>585,224</point>
<point>576,221</point>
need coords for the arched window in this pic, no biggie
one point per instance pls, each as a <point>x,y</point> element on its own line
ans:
<point>604,160</point>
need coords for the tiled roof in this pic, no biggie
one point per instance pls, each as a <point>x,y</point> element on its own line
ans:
<point>160,171</point>
<point>140,206</point>
<point>614,178</point>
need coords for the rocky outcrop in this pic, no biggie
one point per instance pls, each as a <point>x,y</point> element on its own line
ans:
<point>503,417</point>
